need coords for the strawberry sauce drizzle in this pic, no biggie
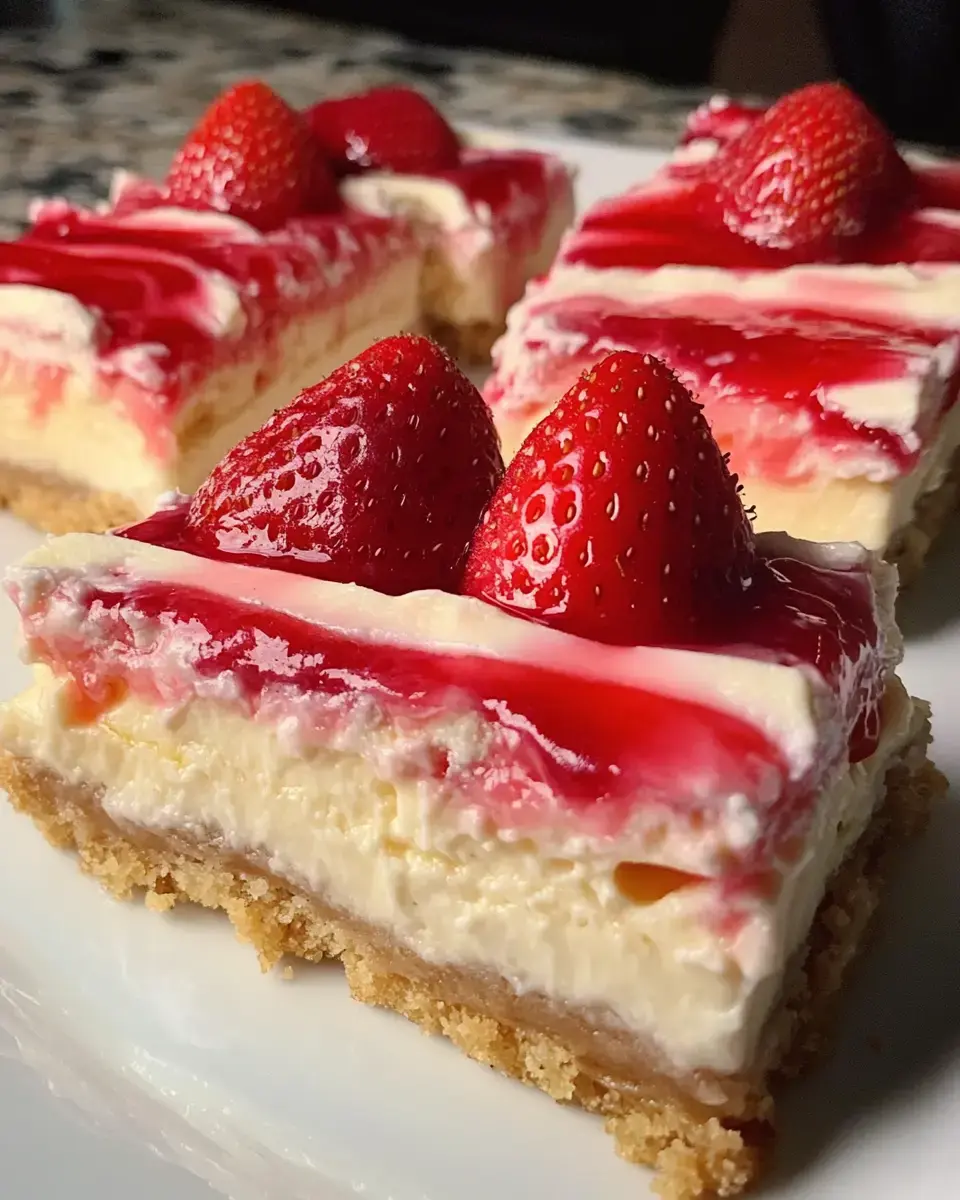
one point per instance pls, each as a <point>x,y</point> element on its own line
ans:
<point>565,745</point>
<point>145,281</point>
<point>672,220</point>
<point>761,374</point>
<point>148,284</point>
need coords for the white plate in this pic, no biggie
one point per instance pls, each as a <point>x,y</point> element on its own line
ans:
<point>163,1027</point>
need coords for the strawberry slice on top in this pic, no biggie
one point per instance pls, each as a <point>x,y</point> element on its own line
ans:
<point>251,155</point>
<point>385,129</point>
<point>815,169</point>
<point>618,519</point>
<point>378,475</point>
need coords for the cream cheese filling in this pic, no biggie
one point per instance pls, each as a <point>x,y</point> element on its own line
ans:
<point>381,848</point>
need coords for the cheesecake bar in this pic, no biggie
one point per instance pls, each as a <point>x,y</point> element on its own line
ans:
<point>141,341</point>
<point>614,823</point>
<point>492,215</point>
<point>826,359</point>
<point>138,345</point>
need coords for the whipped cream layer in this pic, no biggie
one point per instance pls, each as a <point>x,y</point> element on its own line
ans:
<point>692,984</point>
<point>707,761</point>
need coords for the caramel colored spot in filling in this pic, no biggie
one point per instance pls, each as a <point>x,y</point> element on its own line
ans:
<point>78,706</point>
<point>644,883</point>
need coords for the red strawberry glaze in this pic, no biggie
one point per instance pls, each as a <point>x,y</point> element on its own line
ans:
<point>152,283</point>
<point>575,741</point>
<point>510,191</point>
<point>672,220</point>
<point>762,374</point>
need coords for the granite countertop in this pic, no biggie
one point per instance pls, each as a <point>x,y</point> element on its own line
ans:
<point>123,90</point>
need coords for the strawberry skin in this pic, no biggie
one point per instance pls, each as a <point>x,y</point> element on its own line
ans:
<point>618,519</point>
<point>384,129</point>
<point>378,475</point>
<point>816,168</point>
<point>252,156</point>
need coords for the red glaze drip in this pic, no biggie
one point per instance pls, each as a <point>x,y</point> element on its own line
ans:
<point>566,746</point>
<point>760,372</point>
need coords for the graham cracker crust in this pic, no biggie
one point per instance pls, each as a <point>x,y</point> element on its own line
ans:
<point>58,506</point>
<point>468,344</point>
<point>698,1149</point>
<point>910,546</point>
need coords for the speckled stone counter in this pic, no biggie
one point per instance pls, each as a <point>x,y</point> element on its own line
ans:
<point>123,90</point>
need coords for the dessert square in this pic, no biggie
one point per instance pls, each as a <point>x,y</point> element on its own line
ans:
<point>493,222</point>
<point>140,341</point>
<point>561,760</point>
<point>825,354</point>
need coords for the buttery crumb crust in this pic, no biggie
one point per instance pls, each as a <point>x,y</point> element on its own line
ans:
<point>469,344</point>
<point>696,1152</point>
<point>57,506</point>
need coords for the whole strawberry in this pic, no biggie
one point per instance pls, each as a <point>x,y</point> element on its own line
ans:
<point>816,169</point>
<point>252,156</point>
<point>618,519</point>
<point>385,129</point>
<point>377,476</point>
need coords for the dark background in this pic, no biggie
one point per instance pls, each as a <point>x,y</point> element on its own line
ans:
<point>903,56</point>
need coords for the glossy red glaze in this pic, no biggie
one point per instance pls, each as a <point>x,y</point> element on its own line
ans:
<point>762,374</point>
<point>510,191</point>
<point>673,220</point>
<point>150,282</point>
<point>567,744</point>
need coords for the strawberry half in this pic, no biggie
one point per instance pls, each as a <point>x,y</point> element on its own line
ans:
<point>252,156</point>
<point>618,519</point>
<point>817,168</point>
<point>385,129</point>
<point>377,476</point>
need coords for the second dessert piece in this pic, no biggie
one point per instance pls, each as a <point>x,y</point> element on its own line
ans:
<point>138,343</point>
<point>562,762</point>
<point>804,280</point>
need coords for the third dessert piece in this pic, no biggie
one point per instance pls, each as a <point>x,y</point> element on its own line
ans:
<point>562,761</point>
<point>803,279</point>
<point>138,342</point>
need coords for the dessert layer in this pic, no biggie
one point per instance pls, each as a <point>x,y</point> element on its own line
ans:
<point>686,806</point>
<point>877,515</point>
<point>696,1148</point>
<point>688,977</point>
<point>82,431</point>
<point>713,763</point>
